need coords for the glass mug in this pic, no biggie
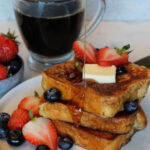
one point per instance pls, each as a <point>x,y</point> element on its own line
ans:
<point>49,28</point>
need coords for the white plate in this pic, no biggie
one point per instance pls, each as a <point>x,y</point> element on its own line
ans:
<point>140,141</point>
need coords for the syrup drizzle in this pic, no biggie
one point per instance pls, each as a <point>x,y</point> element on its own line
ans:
<point>77,112</point>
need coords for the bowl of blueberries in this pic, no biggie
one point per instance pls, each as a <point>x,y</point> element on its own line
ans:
<point>11,64</point>
<point>15,71</point>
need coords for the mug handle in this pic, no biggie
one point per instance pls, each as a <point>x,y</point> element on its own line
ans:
<point>95,20</point>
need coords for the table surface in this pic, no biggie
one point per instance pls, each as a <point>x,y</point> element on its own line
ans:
<point>113,34</point>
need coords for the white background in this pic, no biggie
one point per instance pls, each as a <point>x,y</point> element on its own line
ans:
<point>117,10</point>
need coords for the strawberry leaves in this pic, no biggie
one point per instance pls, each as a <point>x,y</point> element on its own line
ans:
<point>31,114</point>
<point>125,48</point>
<point>36,94</point>
<point>11,35</point>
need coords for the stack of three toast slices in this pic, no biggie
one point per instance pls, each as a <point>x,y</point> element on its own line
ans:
<point>94,114</point>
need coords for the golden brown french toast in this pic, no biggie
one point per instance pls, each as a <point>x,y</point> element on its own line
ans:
<point>140,121</point>
<point>92,139</point>
<point>99,140</point>
<point>104,100</point>
<point>121,123</point>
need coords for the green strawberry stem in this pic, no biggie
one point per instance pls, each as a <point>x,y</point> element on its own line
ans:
<point>125,48</point>
<point>11,35</point>
<point>31,114</point>
<point>36,94</point>
<point>8,73</point>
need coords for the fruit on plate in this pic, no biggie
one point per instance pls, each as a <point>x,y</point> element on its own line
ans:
<point>30,103</point>
<point>4,131</point>
<point>108,56</point>
<point>18,119</point>
<point>88,52</point>
<point>52,95</point>
<point>121,70</point>
<point>84,51</point>
<point>131,106</point>
<point>42,147</point>
<point>4,118</point>
<point>8,47</point>
<point>41,131</point>
<point>3,72</point>
<point>65,143</point>
<point>15,138</point>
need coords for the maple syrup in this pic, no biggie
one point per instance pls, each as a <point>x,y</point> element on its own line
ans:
<point>77,111</point>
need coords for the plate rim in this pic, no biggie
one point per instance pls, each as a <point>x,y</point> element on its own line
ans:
<point>4,98</point>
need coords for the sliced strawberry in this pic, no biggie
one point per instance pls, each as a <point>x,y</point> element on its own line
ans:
<point>79,50</point>
<point>108,57</point>
<point>41,131</point>
<point>30,103</point>
<point>18,119</point>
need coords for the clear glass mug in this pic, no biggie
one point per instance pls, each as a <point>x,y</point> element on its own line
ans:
<point>49,28</point>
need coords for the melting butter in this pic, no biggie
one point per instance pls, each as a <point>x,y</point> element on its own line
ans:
<point>99,73</point>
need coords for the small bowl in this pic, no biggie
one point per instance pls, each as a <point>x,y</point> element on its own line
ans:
<point>9,83</point>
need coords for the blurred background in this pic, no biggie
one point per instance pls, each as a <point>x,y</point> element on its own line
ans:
<point>117,10</point>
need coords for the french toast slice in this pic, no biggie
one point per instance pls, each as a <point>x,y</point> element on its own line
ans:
<point>92,139</point>
<point>121,123</point>
<point>99,140</point>
<point>104,100</point>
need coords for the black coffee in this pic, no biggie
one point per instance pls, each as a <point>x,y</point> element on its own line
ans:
<point>50,37</point>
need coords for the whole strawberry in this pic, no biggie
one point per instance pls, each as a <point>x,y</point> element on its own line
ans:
<point>3,72</point>
<point>8,47</point>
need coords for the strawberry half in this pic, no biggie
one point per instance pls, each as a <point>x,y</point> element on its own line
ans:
<point>30,103</point>
<point>41,131</point>
<point>18,119</point>
<point>3,72</point>
<point>90,51</point>
<point>109,57</point>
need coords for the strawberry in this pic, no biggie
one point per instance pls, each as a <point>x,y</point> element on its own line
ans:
<point>18,119</point>
<point>79,50</point>
<point>8,47</point>
<point>41,131</point>
<point>107,56</point>
<point>30,103</point>
<point>3,72</point>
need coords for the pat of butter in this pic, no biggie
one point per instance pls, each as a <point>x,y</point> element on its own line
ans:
<point>100,74</point>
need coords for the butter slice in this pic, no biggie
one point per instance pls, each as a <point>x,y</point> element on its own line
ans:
<point>100,74</point>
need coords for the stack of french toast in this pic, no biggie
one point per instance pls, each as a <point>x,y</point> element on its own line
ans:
<point>96,116</point>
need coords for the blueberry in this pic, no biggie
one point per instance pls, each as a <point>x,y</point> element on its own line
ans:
<point>52,95</point>
<point>4,131</point>
<point>131,106</point>
<point>15,138</point>
<point>14,67</point>
<point>42,147</point>
<point>72,76</point>
<point>121,70</point>
<point>4,118</point>
<point>65,143</point>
